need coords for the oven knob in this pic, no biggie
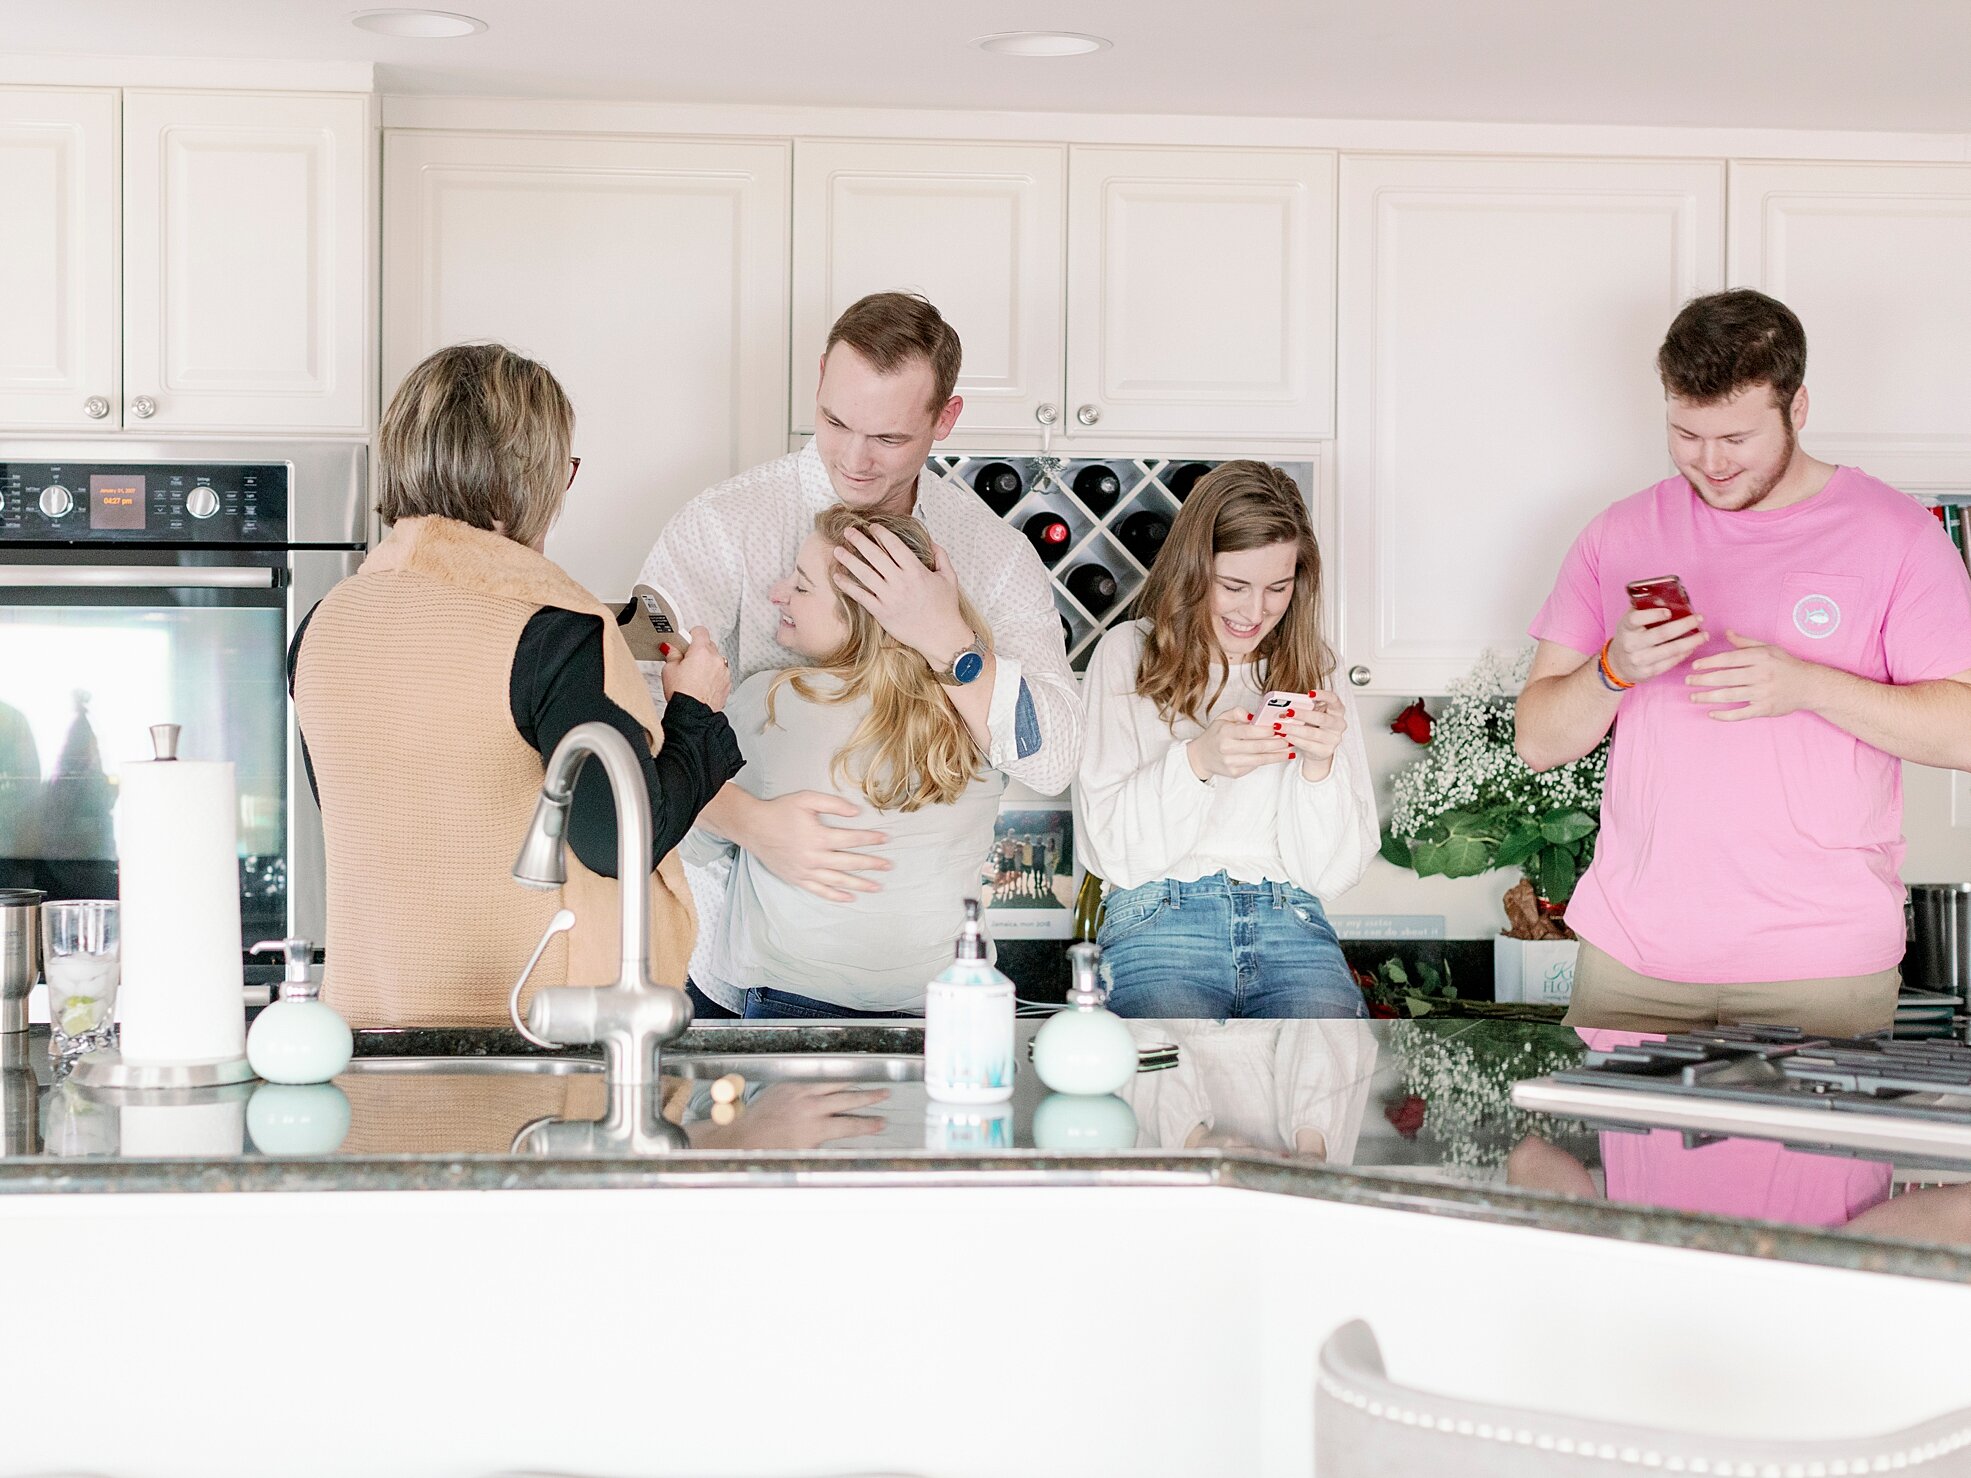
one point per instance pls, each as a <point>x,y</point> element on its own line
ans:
<point>56,500</point>
<point>201,502</point>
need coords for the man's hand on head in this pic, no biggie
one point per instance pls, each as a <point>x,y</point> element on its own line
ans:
<point>1764,680</point>
<point>918,607</point>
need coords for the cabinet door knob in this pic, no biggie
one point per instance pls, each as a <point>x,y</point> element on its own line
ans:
<point>1359,676</point>
<point>143,407</point>
<point>1088,415</point>
<point>95,407</point>
<point>1047,414</point>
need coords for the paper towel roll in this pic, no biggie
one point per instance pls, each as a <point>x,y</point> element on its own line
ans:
<point>177,854</point>
<point>215,1129</point>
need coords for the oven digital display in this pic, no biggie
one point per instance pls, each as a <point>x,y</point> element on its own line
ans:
<point>116,502</point>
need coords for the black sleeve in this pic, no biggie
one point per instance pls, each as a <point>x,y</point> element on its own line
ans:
<point>293,657</point>
<point>558,683</point>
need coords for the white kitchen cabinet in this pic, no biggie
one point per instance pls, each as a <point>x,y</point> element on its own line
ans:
<point>1497,388</point>
<point>1134,296</point>
<point>649,275</point>
<point>976,228</point>
<point>1873,257</point>
<point>58,258</point>
<point>246,262</point>
<point>1200,293</point>
<point>200,264</point>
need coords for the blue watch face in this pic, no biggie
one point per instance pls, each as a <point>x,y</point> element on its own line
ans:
<point>968,666</point>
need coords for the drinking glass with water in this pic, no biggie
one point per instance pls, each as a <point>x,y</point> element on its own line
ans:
<point>81,958</point>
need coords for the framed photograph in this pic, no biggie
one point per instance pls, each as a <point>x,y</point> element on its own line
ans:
<point>1027,883</point>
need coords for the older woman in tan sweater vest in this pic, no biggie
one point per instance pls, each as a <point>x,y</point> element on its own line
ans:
<point>431,686</point>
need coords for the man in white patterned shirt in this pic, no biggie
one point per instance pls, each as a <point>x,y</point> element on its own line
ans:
<point>887,374</point>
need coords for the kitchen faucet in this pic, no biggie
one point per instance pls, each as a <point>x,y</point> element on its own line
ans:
<point>635,1016</point>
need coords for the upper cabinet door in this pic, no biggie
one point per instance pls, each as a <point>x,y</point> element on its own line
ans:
<point>1200,293</point>
<point>58,260</point>
<point>976,228</point>
<point>246,261</point>
<point>1876,260</point>
<point>649,275</point>
<point>1498,385</point>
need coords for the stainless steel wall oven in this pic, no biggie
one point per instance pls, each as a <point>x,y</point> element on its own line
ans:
<point>160,582</point>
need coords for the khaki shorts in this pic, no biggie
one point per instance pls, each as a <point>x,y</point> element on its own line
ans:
<point>1607,993</point>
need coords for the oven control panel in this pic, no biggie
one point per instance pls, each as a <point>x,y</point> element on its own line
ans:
<point>144,502</point>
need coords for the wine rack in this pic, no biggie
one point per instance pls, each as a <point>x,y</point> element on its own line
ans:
<point>1047,487</point>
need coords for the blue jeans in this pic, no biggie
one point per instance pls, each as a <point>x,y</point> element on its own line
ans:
<point>1217,949</point>
<point>763,1004</point>
<point>703,1007</point>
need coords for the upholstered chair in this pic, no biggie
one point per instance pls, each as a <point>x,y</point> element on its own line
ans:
<point>1368,1426</point>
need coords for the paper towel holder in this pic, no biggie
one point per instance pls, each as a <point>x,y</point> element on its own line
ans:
<point>105,1069</point>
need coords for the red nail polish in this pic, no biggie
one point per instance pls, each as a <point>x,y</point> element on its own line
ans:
<point>1276,728</point>
<point>1289,754</point>
<point>664,647</point>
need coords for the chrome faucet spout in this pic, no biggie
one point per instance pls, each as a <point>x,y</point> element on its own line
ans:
<point>635,1016</point>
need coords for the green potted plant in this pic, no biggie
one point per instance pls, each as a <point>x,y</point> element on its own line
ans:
<point>1468,804</point>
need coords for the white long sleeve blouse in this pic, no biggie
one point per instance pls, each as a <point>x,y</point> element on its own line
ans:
<point>1142,814</point>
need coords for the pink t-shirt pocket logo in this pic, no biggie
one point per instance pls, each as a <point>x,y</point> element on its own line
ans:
<point>1816,616</point>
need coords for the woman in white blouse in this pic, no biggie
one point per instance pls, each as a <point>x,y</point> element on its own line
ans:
<point>1219,827</point>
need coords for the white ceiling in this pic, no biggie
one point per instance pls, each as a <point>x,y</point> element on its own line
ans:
<point>1901,65</point>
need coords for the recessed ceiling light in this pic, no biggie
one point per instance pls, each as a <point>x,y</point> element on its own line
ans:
<point>1041,43</point>
<point>424,24</point>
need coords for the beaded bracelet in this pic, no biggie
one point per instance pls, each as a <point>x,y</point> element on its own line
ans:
<point>1609,680</point>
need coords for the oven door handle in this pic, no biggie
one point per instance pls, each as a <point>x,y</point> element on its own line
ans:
<point>140,577</point>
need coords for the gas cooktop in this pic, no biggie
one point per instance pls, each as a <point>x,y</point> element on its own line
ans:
<point>1867,1093</point>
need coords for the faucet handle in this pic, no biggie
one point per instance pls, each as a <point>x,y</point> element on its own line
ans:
<point>561,923</point>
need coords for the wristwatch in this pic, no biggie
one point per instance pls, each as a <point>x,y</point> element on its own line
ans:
<point>966,666</point>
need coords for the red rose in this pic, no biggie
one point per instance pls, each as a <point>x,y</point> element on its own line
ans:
<point>1405,1115</point>
<point>1413,723</point>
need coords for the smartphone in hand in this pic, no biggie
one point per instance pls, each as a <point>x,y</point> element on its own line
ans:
<point>1277,707</point>
<point>1660,593</point>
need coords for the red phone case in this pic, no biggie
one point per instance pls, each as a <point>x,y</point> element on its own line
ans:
<point>1660,593</point>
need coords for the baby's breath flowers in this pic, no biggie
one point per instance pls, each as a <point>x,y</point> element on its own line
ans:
<point>1468,803</point>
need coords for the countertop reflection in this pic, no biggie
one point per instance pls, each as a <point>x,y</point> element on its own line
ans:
<point>1416,1114</point>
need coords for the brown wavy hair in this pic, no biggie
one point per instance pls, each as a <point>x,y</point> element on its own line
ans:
<point>1236,506</point>
<point>911,749</point>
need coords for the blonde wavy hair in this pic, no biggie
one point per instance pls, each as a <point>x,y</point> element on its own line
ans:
<point>1236,506</point>
<point>911,749</point>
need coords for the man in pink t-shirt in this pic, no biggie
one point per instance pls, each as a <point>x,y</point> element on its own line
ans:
<point>1747,868</point>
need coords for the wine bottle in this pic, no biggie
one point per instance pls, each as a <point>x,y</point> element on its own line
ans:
<point>1098,488</point>
<point>1142,534</point>
<point>1067,635</point>
<point>1184,479</point>
<point>1093,586</point>
<point>999,485</point>
<point>1049,534</point>
<point>1088,907</point>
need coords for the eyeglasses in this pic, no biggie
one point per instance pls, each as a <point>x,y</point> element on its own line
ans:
<point>574,466</point>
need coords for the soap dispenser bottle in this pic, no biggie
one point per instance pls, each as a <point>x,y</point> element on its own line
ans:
<point>1084,1048</point>
<point>299,1038</point>
<point>968,1024</point>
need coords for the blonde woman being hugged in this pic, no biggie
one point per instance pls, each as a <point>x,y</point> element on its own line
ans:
<point>865,718</point>
<point>1218,827</point>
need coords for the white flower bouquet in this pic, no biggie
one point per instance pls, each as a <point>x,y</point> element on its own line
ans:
<point>1469,803</point>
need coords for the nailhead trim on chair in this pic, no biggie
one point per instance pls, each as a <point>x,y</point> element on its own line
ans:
<point>1637,1457</point>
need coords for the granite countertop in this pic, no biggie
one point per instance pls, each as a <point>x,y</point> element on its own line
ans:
<point>1404,1115</point>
